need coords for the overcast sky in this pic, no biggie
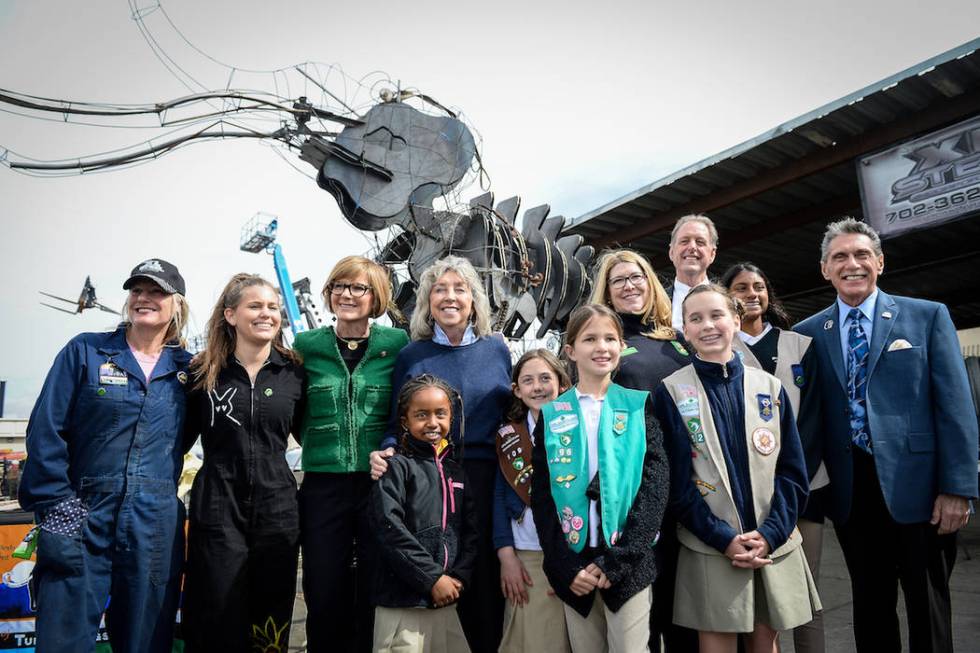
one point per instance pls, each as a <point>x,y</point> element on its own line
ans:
<point>577,103</point>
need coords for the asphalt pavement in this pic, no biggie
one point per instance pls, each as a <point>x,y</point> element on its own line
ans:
<point>835,593</point>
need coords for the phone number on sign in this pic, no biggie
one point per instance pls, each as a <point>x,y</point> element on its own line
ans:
<point>938,204</point>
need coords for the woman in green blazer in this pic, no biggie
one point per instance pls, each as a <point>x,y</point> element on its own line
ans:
<point>348,370</point>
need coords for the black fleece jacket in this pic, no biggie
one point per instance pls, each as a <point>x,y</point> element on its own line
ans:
<point>422,513</point>
<point>630,565</point>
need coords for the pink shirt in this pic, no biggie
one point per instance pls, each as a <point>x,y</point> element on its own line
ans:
<point>147,362</point>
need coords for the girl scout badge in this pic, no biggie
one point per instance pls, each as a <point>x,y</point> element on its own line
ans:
<point>764,441</point>
<point>514,457</point>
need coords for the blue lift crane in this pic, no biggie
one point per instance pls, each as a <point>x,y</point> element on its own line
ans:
<point>258,234</point>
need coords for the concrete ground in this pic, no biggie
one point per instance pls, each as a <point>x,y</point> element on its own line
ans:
<point>835,593</point>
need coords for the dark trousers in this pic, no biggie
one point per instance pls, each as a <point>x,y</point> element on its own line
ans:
<point>677,639</point>
<point>339,560</point>
<point>880,553</point>
<point>241,571</point>
<point>481,607</point>
<point>131,548</point>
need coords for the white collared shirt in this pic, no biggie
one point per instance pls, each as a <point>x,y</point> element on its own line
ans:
<point>750,339</point>
<point>677,299</point>
<point>867,308</point>
<point>524,531</point>
<point>591,408</point>
<point>440,338</point>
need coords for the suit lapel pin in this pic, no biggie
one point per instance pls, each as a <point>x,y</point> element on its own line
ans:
<point>887,315</point>
<point>828,325</point>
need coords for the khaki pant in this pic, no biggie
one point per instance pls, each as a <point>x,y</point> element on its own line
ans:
<point>539,626</point>
<point>626,631</point>
<point>418,630</point>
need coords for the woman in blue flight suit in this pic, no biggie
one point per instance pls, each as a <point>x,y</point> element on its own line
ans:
<point>103,446</point>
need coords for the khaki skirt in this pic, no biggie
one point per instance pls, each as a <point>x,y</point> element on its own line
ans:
<point>711,595</point>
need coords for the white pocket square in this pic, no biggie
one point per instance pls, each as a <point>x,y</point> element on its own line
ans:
<point>898,345</point>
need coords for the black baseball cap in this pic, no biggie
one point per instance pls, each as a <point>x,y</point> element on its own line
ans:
<point>160,272</point>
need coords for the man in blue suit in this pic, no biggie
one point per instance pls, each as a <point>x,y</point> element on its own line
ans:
<point>898,433</point>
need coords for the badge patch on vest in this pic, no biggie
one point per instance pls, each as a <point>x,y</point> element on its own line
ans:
<point>689,407</point>
<point>565,480</point>
<point>620,417</point>
<point>797,375</point>
<point>562,405</point>
<point>764,441</point>
<point>765,406</point>
<point>704,488</point>
<point>695,430</point>
<point>563,423</point>
<point>679,348</point>
<point>688,391</point>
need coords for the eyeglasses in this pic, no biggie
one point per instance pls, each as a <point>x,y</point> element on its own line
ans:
<point>356,289</point>
<point>635,279</point>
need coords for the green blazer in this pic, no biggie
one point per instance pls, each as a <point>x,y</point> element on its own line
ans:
<point>346,414</point>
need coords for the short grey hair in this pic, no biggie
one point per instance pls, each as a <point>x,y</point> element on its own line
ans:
<point>848,225</point>
<point>696,217</point>
<point>421,324</point>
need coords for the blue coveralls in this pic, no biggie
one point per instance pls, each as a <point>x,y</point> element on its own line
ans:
<point>115,446</point>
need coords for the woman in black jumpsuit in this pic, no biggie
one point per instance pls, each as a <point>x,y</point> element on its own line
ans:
<point>244,520</point>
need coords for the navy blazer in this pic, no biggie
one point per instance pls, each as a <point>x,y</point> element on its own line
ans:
<point>920,413</point>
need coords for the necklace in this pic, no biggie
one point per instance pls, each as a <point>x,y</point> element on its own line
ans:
<point>351,343</point>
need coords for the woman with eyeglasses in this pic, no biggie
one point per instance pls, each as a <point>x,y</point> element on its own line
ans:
<point>348,368</point>
<point>625,281</point>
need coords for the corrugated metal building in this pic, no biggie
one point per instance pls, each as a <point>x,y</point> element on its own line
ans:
<point>772,196</point>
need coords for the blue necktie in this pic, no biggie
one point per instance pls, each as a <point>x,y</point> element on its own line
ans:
<point>857,380</point>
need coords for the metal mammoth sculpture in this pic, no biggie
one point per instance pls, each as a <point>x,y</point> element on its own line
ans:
<point>387,172</point>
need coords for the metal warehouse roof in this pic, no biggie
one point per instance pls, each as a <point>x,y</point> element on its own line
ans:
<point>772,196</point>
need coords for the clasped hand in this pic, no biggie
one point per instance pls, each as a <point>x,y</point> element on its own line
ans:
<point>748,551</point>
<point>446,591</point>
<point>588,579</point>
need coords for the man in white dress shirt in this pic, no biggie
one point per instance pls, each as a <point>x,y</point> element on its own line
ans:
<point>693,245</point>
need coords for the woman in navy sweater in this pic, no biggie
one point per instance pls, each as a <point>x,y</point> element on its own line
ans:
<point>451,339</point>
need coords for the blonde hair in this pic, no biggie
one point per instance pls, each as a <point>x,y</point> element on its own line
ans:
<point>350,267</point>
<point>421,325</point>
<point>221,338</point>
<point>178,320</point>
<point>656,310</point>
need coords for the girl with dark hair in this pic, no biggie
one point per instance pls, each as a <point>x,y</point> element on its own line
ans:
<point>598,492</point>
<point>422,514</point>
<point>533,616</point>
<point>452,338</point>
<point>765,341</point>
<point>243,537</point>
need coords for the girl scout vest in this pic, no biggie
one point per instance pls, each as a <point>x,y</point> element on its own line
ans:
<point>514,456</point>
<point>790,348</point>
<point>622,447</point>
<point>708,469</point>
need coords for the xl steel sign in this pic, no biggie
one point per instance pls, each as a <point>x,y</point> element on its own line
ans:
<point>924,182</point>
